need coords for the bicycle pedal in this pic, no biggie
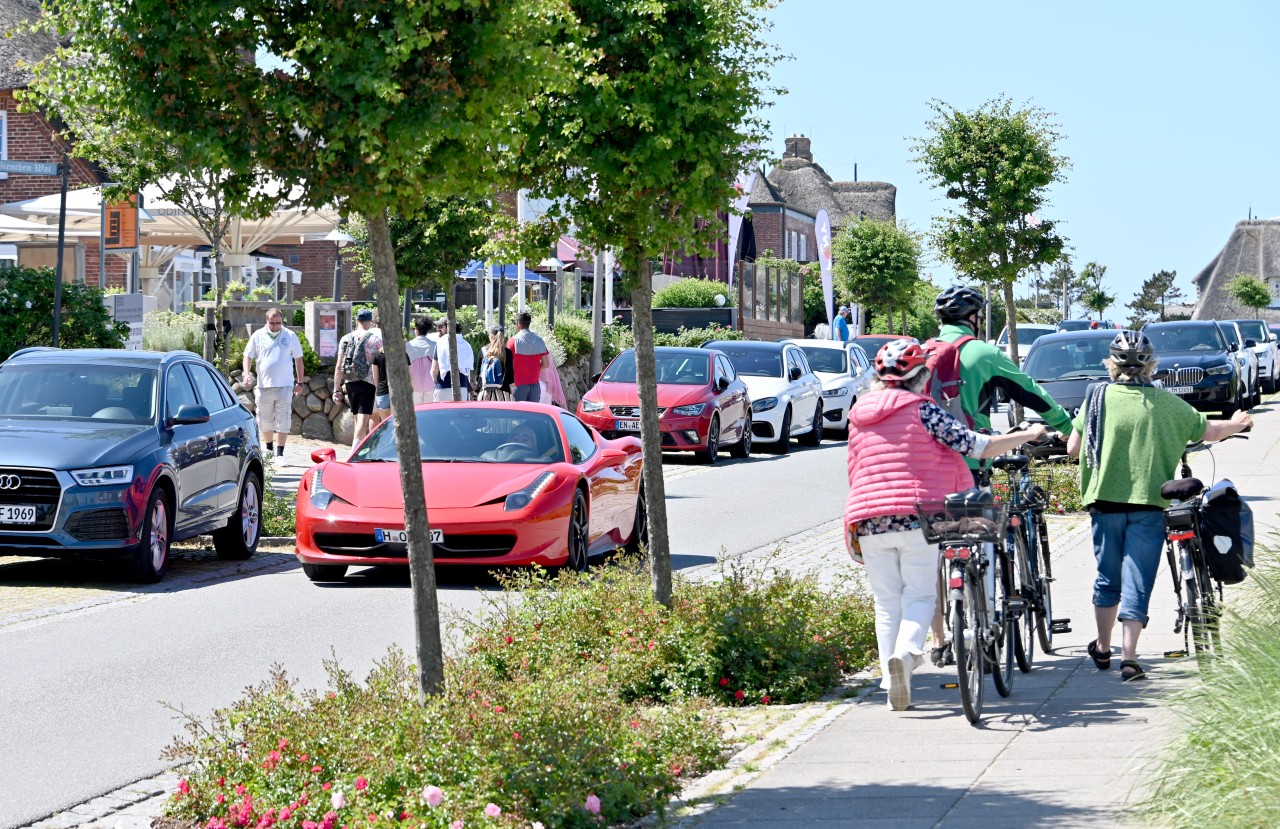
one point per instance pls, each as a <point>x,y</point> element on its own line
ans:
<point>1061,625</point>
<point>949,686</point>
<point>1017,606</point>
<point>1175,654</point>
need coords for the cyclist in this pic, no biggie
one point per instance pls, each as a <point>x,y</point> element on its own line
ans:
<point>1131,435</point>
<point>904,448</point>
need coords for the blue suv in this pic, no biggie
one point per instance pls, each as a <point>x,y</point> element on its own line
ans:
<point>120,453</point>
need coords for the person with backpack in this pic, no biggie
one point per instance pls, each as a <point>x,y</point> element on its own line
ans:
<point>1129,436</point>
<point>495,368</point>
<point>903,449</point>
<point>353,373</point>
<point>968,371</point>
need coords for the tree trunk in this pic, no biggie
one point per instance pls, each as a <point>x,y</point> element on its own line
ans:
<point>1011,323</point>
<point>655,491</point>
<point>422,572</point>
<point>455,380</point>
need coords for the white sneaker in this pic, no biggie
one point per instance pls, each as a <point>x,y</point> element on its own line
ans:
<point>900,682</point>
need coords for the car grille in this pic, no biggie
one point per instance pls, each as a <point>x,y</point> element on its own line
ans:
<point>1182,376</point>
<point>477,545</point>
<point>36,486</point>
<point>630,411</point>
<point>99,525</point>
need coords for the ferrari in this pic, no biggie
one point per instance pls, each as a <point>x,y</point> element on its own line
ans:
<point>505,484</point>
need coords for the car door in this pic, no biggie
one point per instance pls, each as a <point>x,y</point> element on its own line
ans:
<point>605,482</point>
<point>860,370</point>
<point>733,400</point>
<point>806,390</point>
<point>193,450</point>
<point>227,426</point>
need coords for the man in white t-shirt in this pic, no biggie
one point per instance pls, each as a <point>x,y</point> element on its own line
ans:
<point>279,356</point>
<point>441,367</point>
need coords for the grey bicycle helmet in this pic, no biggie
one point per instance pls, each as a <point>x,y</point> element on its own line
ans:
<point>1132,349</point>
<point>958,303</point>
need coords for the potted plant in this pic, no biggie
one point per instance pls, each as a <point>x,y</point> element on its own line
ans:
<point>237,288</point>
<point>262,294</point>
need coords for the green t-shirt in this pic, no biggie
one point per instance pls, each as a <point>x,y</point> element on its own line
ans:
<point>1144,432</point>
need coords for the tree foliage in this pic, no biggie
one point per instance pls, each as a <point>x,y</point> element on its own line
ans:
<point>877,264</point>
<point>1249,291</point>
<point>432,244</point>
<point>26,305</point>
<point>1152,300</point>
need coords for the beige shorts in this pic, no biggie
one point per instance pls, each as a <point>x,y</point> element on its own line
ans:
<point>275,408</point>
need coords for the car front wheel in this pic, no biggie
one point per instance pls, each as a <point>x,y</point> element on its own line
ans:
<point>709,454</point>
<point>742,449</point>
<point>784,433</point>
<point>239,539</point>
<point>579,534</point>
<point>151,557</point>
<point>814,436</point>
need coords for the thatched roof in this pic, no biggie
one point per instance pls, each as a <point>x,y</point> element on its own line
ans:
<point>800,184</point>
<point>1254,248</point>
<point>16,48</point>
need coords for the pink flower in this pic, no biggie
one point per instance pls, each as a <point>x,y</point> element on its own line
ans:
<point>328,820</point>
<point>282,745</point>
<point>302,758</point>
<point>184,786</point>
<point>222,798</point>
<point>592,805</point>
<point>310,824</point>
<point>240,788</point>
<point>498,709</point>
<point>765,699</point>
<point>457,824</point>
<point>361,784</point>
<point>337,800</point>
<point>434,795</point>
<point>492,810</point>
<point>327,786</point>
<point>537,824</point>
<point>315,769</point>
<point>286,813</point>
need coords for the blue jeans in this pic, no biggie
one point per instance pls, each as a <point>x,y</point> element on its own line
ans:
<point>1127,546</point>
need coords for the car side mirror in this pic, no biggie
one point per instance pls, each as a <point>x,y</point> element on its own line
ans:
<point>1250,344</point>
<point>189,413</point>
<point>595,378</point>
<point>722,383</point>
<point>1232,347</point>
<point>324,455</point>
<point>794,373</point>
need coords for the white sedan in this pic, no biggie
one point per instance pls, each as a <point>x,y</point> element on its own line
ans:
<point>845,373</point>
<point>786,396</point>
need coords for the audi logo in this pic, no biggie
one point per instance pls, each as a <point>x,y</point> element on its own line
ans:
<point>10,482</point>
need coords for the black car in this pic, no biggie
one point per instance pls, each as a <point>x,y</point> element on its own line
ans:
<point>1196,362</point>
<point>120,453</point>
<point>1065,365</point>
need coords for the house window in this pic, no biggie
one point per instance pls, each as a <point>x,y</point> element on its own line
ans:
<point>293,259</point>
<point>786,244</point>
<point>804,249</point>
<point>4,139</point>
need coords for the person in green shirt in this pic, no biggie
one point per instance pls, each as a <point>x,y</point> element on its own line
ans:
<point>986,369</point>
<point>1131,435</point>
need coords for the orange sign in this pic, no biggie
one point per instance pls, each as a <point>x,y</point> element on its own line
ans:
<point>120,225</point>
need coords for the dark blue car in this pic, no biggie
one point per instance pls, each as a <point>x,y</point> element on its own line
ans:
<point>120,453</point>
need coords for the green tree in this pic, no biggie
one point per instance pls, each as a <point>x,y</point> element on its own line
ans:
<point>1153,299</point>
<point>26,304</point>
<point>877,264</point>
<point>646,146</point>
<point>996,164</point>
<point>1063,284</point>
<point>1249,291</point>
<point>1097,300</point>
<point>372,108</point>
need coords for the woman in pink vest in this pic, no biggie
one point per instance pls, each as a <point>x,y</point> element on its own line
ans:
<point>904,448</point>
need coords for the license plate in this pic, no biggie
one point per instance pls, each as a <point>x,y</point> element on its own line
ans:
<point>402,536</point>
<point>1179,389</point>
<point>627,425</point>
<point>17,514</point>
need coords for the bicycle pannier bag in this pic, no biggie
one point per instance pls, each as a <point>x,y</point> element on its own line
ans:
<point>1226,533</point>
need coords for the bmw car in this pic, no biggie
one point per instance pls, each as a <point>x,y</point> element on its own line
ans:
<point>1197,364</point>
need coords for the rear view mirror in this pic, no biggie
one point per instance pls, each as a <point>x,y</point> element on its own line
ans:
<point>189,413</point>
<point>323,455</point>
<point>722,383</point>
<point>794,373</point>
<point>1250,344</point>
<point>595,378</point>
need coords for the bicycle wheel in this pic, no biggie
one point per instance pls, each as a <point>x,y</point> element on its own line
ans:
<point>1024,642</point>
<point>966,639</point>
<point>1003,627</point>
<point>1042,567</point>
<point>1202,617</point>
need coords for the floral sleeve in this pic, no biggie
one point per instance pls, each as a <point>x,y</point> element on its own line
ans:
<point>950,432</point>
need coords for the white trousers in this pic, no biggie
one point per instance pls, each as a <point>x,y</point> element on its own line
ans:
<point>902,570</point>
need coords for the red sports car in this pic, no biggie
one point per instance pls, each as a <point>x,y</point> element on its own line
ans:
<point>702,405</point>
<point>506,483</point>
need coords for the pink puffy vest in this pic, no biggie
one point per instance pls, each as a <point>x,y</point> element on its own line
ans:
<point>893,461</point>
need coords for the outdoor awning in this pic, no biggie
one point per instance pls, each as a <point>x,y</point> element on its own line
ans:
<point>509,272</point>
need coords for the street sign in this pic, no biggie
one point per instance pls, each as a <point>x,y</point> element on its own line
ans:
<point>29,168</point>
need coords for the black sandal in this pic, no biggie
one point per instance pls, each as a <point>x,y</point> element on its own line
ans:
<point>1129,669</point>
<point>1101,659</point>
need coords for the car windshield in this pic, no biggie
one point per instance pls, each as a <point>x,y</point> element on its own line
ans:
<point>827,360</point>
<point>472,434</point>
<point>676,369</point>
<point>1254,330</point>
<point>1067,360</point>
<point>754,362</point>
<point>871,345</point>
<point>58,391</point>
<point>1185,338</point>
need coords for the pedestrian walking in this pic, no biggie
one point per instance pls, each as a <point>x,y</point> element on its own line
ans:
<point>842,324</point>
<point>353,374</point>
<point>1129,436</point>
<point>278,354</point>
<point>903,449</point>
<point>495,368</point>
<point>381,389</point>
<point>442,367</point>
<point>529,357</point>
<point>421,351</point>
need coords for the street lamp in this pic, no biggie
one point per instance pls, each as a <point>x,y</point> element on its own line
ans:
<point>341,237</point>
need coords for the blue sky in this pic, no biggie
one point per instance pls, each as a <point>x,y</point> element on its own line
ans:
<point>1169,112</point>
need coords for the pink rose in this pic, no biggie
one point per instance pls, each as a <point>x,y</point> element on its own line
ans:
<point>592,805</point>
<point>337,800</point>
<point>492,810</point>
<point>434,795</point>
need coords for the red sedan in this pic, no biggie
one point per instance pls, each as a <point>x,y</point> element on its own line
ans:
<point>506,484</point>
<point>702,405</point>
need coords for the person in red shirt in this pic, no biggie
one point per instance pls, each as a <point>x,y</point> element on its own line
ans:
<point>528,357</point>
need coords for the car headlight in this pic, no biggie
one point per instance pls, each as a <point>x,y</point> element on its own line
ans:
<point>840,392</point>
<point>1218,370</point>
<point>321,498</point>
<point>764,404</point>
<point>523,497</point>
<point>690,410</point>
<point>589,405</point>
<point>103,476</point>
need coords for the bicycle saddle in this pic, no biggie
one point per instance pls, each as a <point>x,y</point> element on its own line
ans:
<point>1011,462</point>
<point>1181,489</point>
<point>972,495</point>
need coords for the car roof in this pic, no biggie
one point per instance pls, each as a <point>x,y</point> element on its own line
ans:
<point>1181,323</point>
<point>114,356</point>
<point>832,344</point>
<point>678,350</point>
<point>744,345</point>
<point>1089,334</point>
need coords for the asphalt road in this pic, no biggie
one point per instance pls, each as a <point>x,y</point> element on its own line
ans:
<point>91,696</point>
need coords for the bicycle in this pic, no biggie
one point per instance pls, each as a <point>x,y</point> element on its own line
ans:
<point>974,568</point>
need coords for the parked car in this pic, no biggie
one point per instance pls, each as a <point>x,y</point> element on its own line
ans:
<point>506,483</point>
<point>786,396</point>
<point>872,343</point>
<point>1028,333</point>
<point>1084,325</point>
<point>1066,364</point>
<point>1243,349</point>
<point>1196,362</point>
<point>1265,350</point>
<point>845,373</point>
<point>702,405</point>
<point>110,453</point>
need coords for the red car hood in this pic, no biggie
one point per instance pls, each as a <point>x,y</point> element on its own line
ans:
<point>447,485</point>
<point>625,394</point>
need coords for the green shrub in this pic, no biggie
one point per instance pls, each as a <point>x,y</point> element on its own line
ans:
<point>26,306</point>
<point>692,293</point>
<point>694,337</point>
<point>167,331</point>
<point>574,336</point>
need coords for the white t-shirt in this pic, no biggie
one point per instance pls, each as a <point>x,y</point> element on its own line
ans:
<point>466,356</point>
<point>274,357</point>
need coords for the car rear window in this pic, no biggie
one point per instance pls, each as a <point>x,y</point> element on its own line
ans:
<point>56,392</point>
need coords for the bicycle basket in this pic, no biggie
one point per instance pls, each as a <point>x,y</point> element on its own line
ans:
<point>962,523</point>
<point>1039,484</point>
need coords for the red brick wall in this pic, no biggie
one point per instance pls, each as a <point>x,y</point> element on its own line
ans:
<point>315,260</point>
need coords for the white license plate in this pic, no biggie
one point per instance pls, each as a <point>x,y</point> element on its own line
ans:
<point>627,425</point>
<point>17,514</point>
<point>402,536</point>
<point>1179,389</point>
